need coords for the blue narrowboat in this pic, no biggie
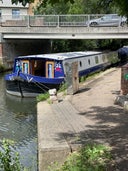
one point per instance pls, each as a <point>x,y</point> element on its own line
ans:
<point>36,74</point>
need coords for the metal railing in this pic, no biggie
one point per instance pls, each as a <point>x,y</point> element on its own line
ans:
<point>54,21</point>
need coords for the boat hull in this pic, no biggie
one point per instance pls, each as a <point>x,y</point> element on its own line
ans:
<point>28,89</point>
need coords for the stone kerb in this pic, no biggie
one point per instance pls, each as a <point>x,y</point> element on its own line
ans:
<point>51,147</point>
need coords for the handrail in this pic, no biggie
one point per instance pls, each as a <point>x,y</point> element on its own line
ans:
<point>81,20</point>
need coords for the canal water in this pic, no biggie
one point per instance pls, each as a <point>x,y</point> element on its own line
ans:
<point>18,122</point>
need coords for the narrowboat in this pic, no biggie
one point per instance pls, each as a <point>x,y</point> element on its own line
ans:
<point>36,74</point>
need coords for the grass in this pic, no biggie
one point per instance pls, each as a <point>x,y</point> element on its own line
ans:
<point>45,96</point>
<point>92,157</point>
<point>42,97</point>
<point>89,76</point>
<point>62,87</point>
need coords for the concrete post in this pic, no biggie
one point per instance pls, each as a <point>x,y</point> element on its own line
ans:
<point>124,79</point>
<point>72,78</point>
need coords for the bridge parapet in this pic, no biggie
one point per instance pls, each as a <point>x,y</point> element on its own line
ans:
<point>60,20</point>
<point>59,27</point>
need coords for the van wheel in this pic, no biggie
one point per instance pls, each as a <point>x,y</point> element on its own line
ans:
<point>123,24</point>
<point>93,24</point>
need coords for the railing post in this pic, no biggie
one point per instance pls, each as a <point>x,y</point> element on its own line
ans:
<point>88,20</point>
<point>58,21</point>
<point>28,18</point>
<point>119,24</point>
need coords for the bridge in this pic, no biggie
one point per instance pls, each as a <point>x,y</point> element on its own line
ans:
<point>34,34</point>
<point>59,27</point>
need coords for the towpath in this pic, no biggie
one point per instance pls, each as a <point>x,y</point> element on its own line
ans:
<point>88,116</point>
<point>107,122</point>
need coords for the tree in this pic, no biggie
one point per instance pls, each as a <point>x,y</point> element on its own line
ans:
<point>47,8</point>
<point>121,4</point>
<point>24,2</point>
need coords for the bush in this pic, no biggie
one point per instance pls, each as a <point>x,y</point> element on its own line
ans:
<point>9,160</point>
<point>92,157</point>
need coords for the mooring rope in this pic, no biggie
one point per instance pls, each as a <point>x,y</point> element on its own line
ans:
<point>40,85</point>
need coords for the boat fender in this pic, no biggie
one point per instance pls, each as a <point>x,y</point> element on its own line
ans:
<point>53,95</point>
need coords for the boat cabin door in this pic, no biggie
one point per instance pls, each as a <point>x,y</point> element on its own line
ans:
<point>50,69</point>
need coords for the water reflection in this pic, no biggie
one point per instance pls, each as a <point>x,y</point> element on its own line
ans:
<point>18,122</point>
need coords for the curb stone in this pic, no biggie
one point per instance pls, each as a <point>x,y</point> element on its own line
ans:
<point>50,147</point>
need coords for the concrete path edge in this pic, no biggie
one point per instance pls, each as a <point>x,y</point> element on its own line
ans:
<point>50,147</point>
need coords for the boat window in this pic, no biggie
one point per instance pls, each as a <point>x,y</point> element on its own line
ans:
<point>80,64</point>
<point>50,69</point>
<point>25,67</point>
<point>96,60</point>
<point>89,61</point>
<point>0,13</point>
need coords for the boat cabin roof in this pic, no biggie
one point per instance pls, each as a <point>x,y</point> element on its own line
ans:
<point>61,56</point>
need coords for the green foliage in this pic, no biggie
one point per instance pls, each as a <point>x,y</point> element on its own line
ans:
<point>93,157</point>
<point>52,2</point>
<point>45,96</point>
<point>82,79</point>
<point>62,87</point>
<point>42,97</point>
<point>78,7</point>
<point>120,6</point>
<point>73,45</point>
<point>46,7</point>
<point>9,160</point>
<point>23,2</point>
<point>60,44</point>
<point>112,57</point>
<point>97,6</point>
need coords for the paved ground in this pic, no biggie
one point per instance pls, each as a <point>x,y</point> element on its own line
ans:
<point>105,122</point>
<point>88,116</point>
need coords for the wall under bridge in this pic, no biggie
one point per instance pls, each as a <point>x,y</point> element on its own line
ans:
<point>9,49</point>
